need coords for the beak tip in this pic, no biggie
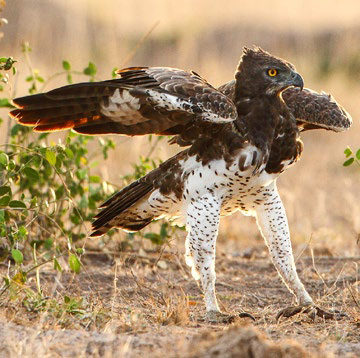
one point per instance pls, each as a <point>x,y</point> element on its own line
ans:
<point>299,82</point>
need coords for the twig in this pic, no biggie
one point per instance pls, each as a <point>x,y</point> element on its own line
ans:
<point>141,285</point>
<point>115,287</point>
<point>352,295</point>
<point>303,250</point>
<point>139,44</point>
<point>315,269</point>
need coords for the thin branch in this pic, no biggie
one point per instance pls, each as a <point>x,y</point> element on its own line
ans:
<point>132,53</point>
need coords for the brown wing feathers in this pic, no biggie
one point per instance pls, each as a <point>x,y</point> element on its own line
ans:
<point>312,110</point>
<point>143,101</point>
<point>118,203</point>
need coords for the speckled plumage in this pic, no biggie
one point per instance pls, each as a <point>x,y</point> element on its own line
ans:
<point>240,138</point>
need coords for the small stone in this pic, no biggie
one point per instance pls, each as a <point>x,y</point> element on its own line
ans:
<point>162,264</point>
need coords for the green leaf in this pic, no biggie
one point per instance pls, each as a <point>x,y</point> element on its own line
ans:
<point>16,129</point>
<point>50,157</point>
<point>90,70</point>
<point>69,78</point>
<point>66,65</point>
<point>40,79</point>
<point>4,159</point>
<point>74,263</point>
<point>358,154</point>
<point>5,103</point>
<point>17,204</point>
<point>348,162</point>
<point>22,231</point>
<point>17,256</point>
<point>2,216</point>
<point>43,135</point>
<point>93,179</point>
<point>152,235</point>
<point>59,192</point>
<point>4,201</point>
<point>347,152</point>
<point>114,72</point>
<point>57,266</point>
<point>69,153</point>
<point>80,251</point>
<point>81,174</point>
<point>163,231</point>
<point>8,63</point>
<point>5,190</point>
<point>31,173</point>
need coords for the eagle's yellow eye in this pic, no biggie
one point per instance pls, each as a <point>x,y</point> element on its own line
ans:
<point>272,72</point>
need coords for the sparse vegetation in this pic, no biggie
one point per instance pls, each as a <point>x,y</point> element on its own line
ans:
<point>132,294</point>
<point>48,197</point>
<point>351,157</point>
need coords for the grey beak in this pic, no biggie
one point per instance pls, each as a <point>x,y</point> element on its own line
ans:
<point>297,81</point>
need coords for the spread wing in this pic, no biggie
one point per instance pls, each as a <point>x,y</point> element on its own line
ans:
<point>143,100</point>
<point>312,110</point>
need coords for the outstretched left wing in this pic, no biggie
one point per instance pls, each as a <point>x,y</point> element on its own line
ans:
<point>144,100</point>
<point>312,110</point>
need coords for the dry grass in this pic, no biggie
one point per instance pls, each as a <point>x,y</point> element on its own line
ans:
<point>137,304</point>
<point>132,305</point>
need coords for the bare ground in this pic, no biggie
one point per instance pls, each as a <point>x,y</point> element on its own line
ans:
<point>147,304</point>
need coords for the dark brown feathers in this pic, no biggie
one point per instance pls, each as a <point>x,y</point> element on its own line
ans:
<point>118,203</point>
<point>312,110</point>
<point>143,101</point>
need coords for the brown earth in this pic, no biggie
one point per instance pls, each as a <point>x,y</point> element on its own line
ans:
<point>147,304</point>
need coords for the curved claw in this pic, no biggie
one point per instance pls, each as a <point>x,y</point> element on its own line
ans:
<point>247,315</point>
<point>311,310</point>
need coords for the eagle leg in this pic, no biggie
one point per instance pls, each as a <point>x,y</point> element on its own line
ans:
<point>273,225</point>
<point>202,223</point>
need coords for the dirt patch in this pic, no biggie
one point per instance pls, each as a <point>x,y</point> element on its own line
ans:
<point>149,305</point>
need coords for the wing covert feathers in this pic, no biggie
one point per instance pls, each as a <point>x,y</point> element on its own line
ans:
<point>143,101</point>
<point>316,110</point>
<point>312,110</point>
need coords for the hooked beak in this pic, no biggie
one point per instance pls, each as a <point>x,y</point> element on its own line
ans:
<point>297,81</point>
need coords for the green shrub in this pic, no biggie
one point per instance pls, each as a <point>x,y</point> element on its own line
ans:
<point>49,193</point>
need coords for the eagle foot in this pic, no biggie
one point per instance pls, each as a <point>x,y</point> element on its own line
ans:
<point>219,317</point>
<point>311,310</point>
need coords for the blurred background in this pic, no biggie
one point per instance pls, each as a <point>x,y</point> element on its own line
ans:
<point>321,38</point>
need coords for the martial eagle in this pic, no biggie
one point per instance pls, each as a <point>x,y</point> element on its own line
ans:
<point>239,138</point>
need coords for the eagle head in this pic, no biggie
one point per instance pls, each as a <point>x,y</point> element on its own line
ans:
<point>260,73</point>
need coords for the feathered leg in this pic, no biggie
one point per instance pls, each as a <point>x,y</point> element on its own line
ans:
<point>202,225</point>
<point>272,222</point>
<point>203,216</point>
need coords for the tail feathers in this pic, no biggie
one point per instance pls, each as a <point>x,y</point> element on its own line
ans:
<point>63,108</point>
<point>110,216</point>
<point>81,107</point>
